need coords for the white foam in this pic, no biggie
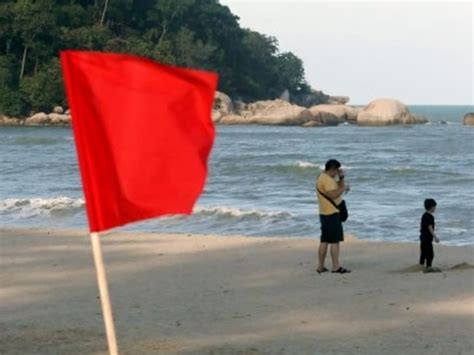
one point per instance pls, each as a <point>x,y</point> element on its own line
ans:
<point>232,212</point>
<point>402,168</point>
<point>343,167</point>
<point>306,164</point>
<point>31,207</point>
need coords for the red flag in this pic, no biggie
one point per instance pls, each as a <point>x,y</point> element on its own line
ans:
<point>143,134</point>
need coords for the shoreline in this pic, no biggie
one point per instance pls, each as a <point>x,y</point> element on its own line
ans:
<point>349,237</point>
<point>206,294</point>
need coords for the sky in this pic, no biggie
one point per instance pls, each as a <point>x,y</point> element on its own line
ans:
<point>417,52</point>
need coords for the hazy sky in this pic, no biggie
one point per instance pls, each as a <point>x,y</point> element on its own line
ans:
<point>418,52</point>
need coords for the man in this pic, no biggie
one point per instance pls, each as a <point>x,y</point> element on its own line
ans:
<point>331,224</point>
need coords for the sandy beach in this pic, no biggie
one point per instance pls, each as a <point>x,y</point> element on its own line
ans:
<point>194,294</point>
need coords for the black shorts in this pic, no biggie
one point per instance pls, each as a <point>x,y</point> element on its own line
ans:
<point>331,228</point>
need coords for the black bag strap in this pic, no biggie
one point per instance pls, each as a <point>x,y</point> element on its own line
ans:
<point>327,198</point>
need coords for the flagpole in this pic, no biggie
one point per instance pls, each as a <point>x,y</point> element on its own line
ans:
<point>104,294</point>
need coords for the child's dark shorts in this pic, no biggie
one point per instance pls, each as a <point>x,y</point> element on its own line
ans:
<point>331,228</point>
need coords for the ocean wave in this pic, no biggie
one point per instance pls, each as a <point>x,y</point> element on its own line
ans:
<point>32,207</point>
<point>454,230</point>
<point>237,213</point>
<point>343,167</point>
<point>306,164</point>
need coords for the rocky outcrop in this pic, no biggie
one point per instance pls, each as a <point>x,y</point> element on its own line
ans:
<point>10,121</point>
<point>383,112</point>
<point>39,118</point>
<point>322,118</point>
<point>282,112</point>
<point>58,119</point>
<point>275,112</point>
<point>469,119</point>
<point>341,113</point>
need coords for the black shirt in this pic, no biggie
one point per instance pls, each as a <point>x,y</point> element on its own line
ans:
<point>426,220</point>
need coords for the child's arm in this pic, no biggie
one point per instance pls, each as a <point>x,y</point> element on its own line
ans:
<point>431,229</point>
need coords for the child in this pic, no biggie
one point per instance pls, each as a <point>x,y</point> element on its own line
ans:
<point>427,234</point>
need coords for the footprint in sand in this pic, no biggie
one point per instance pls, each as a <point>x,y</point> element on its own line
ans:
<point>462,266</point>
<point>421,268</point>
<point>409,269</point>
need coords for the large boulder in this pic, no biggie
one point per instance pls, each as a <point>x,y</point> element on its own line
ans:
<point>322,118</point>
<point>276,112</point>
<point>58,119</point>
<point>37,119</point>
<point>469,118</point>
<point>341,112</point>
<point>222,106</point>
<point>58,109</point>
<point>382,112</point>
<point>10,121</point>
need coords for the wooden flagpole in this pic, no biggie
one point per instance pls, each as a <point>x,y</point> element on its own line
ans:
<point>104,294</point>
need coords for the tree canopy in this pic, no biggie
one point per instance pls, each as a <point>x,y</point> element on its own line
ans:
<point>191,33</point>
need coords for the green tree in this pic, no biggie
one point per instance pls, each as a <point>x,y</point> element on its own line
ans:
<point>44,89</point>
<point>190,33</point>
<point>31,21</point>
<point>290,72</point>
<point>6,26</point>
<point>190,52</point>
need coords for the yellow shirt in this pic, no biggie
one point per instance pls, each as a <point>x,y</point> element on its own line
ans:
<point>326,183</point>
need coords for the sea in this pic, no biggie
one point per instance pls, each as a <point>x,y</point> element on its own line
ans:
<point>261,180</point>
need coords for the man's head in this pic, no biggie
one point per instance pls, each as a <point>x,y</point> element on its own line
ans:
<point>332,167</point>
<point>430,205</point>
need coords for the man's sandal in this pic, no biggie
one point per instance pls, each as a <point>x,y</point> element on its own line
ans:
<point>321,271</point>
<point>341,270</point>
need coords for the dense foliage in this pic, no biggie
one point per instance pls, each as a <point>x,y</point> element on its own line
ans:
<point>191,33</point>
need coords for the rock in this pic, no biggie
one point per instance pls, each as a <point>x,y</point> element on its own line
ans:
<point>276,112</point>
<point>239,106</point>
<point>58,119</point>
<point>58,109</point>
<point>216,116</point>
<point>222,106</point>
<point>341,112</point>
<point>37,119</point>
<point>382,112</point>
<point>469,119</point>
<point>234,119</point>
<point>324,118</point>
<point>223,103</point>
<point>10,121</point>
<point>68,112</point>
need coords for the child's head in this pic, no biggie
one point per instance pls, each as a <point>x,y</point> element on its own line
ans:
<point>430,205</point>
